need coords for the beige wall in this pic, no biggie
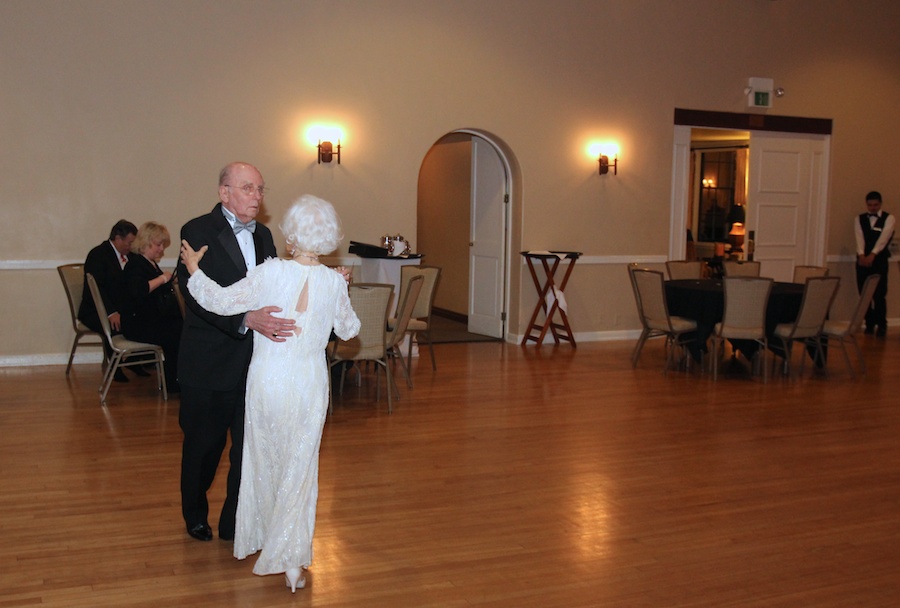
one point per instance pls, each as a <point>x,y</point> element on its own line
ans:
<point>125,108</point>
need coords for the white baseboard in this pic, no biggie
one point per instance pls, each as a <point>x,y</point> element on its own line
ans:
<point>50,359</point>
<point>588,336</point>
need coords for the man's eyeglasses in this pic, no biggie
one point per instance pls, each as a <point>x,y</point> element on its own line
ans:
<point>249,189</point>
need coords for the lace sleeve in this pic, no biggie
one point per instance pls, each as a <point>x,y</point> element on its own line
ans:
<point>346,323</point>
<point>232,300</point>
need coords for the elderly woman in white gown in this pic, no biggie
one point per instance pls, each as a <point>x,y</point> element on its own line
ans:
<point>287,386</point>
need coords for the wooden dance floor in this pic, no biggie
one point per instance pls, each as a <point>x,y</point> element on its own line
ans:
<point>519,477</point>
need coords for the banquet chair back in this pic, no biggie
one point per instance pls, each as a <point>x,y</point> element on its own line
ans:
<point>685,269</point>
<point>650,291</point>
<point>420,322</point>
<point>735,268</point>
<point>370,303</point>
<point>72,276</point>
<point>841,332</point>
<point>801,273</point>
<point>646,332</point>
<point>818,295</point>
<point>179,297</point>
<point>744,318</point>
<point>125,352</point>
<point>401,324</point>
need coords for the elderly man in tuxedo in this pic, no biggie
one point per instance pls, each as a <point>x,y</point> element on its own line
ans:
<point>215,351</point>
<point>106,262</point>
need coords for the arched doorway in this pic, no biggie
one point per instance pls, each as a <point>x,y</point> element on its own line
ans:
<point>467,195</point>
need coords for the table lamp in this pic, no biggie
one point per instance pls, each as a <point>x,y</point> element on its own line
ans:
<point>736,237</point>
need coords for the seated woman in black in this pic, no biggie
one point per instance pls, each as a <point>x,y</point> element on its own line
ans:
<point>151,309</point>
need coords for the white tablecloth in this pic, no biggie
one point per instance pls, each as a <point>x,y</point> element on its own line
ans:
<point>385,270</point>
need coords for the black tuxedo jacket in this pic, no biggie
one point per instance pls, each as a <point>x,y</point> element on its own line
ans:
<point>102,262</point>
<point>214,354</point>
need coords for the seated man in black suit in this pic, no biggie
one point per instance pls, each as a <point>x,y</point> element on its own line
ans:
<point>107,262</point>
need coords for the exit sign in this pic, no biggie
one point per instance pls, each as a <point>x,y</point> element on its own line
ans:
<point>759,92</point>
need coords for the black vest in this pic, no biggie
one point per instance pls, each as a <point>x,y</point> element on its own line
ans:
<point>872,233</point>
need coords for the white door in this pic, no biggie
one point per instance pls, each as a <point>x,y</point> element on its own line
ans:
<point>487,238</point>
<point>786,201</point>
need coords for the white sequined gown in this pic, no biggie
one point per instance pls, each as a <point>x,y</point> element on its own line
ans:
<point>287,401</point>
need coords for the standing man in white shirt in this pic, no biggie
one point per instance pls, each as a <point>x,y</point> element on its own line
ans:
<point>874,231</point>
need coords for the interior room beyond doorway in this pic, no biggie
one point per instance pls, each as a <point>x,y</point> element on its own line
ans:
<point>718,186</point>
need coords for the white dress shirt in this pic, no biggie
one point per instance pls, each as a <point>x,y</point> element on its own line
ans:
<point>244,239</point>
<point>119,256</point>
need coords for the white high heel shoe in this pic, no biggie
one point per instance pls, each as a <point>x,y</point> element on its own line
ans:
<point>293,579</point>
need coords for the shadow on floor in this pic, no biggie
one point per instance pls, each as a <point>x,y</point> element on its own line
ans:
<point>444,330</point>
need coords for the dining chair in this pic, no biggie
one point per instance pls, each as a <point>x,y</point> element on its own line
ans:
<point>398,330</point>
<point>842,332</point>
<point>744,318</point>
<point>370,303</point>
<point>801,273</point>
<point>125,352</point>
<point>651,294</point>
<point>685,269</point>
<point>818,295</point>
<point>420,323</point>
<point>704,250</point>
<point>72,276</point>
<point>375,342</point>
<point>646,332</point>
<point>736,268</point>
<point>179,297</point>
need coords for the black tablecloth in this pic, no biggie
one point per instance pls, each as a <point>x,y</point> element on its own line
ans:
<point>703,300</point>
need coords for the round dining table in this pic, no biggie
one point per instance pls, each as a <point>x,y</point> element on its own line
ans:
<point>703,300</point>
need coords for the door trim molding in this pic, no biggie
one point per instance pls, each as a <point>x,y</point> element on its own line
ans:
<point>753,122</point>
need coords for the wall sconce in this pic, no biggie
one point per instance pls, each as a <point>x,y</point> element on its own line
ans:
<point>327,151</point>
<point>604,164</point>
<point>322,137</point>
<point>602,151</point>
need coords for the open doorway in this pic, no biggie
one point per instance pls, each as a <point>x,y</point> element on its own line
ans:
<point>464,226</point>
<point>718,186</point>
<point>787,187</point>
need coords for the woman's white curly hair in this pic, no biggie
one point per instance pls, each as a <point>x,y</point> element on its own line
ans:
<point>312,224</point>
